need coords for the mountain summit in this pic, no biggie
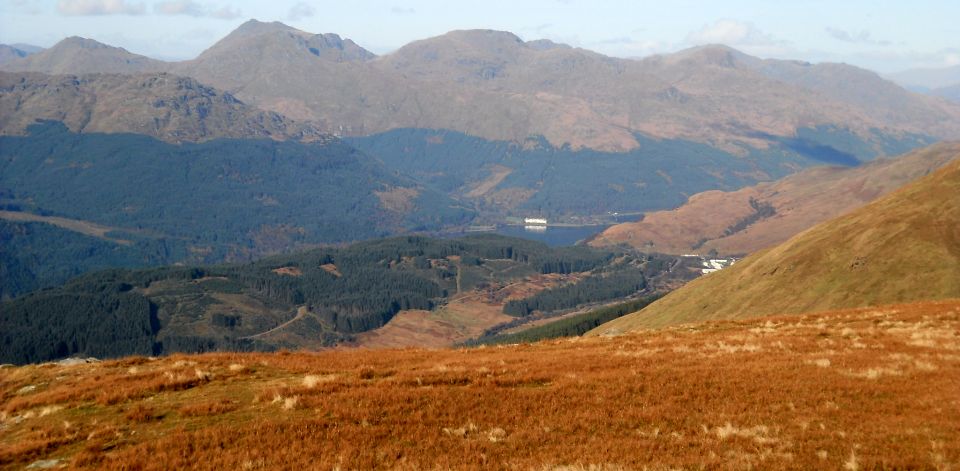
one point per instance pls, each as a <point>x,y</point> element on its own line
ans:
<point>76,55</point>
<point>160,105</point>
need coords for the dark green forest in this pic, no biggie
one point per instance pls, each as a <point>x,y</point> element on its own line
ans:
<point>326,295</point>
<point>223,200</point>
<point>36,255</point>
<point>601,287</point>
<point>660,174</point>
<point>572,326</point>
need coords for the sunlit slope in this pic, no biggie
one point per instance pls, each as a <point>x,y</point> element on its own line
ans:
<point>861,389</point>
<point>902,247</point>
<point>767,214</point>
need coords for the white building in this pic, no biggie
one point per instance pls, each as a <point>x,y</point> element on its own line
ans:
<point>535,221</point>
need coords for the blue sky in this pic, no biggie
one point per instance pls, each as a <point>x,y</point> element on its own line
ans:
<point>885,36</point>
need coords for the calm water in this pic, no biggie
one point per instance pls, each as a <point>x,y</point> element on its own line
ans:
<point>552,236</point>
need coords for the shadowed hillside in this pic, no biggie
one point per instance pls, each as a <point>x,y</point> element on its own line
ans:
<point>206,202</point>
<point>902,247</point>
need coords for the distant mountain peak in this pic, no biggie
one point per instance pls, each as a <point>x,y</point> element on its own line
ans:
<point>80,55</point>
<point>83,43</point>
<point>484,35</point>
<point>280,36</point>
<point>254,27</point>
<point>719,55</point>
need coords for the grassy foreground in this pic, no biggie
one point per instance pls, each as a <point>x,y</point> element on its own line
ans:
<point>854,389</point>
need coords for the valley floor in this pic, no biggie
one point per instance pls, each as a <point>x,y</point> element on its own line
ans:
<point>854,389</point>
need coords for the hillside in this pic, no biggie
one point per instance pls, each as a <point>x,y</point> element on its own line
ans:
<point>212,201</point>
<point>75,55</point>
<point>36,252</point>
<point>160,105</point>
<point>862,389</point>
<point>900,248</point>
<point>767,214</point>
<point>319,298</point>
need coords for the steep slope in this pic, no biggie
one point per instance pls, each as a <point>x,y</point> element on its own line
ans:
<point>902,247</point>
<point>767,214</point>
<point>160,105</point>
<point>75,55</point>
<point>864,389</point>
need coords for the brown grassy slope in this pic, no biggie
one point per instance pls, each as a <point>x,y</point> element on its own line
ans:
<point>165,106</point>
<point>900,248</point>
<point>870,388</point>
<point>801,201</point>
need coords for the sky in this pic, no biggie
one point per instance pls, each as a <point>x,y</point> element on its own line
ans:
<point>885,36</point>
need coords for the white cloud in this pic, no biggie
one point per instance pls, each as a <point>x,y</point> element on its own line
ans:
<point>625,46</point>
<point>300,11</point>
<point>30,7</point>
<point>951,59</point>
<point>179,7</point>
<point>728,32</point>
<point>194,9</point>
<point>225,13</point>
<point>863,37</point>
<point>740,35</point>
<point>402,11</point>
<point>99,7</point>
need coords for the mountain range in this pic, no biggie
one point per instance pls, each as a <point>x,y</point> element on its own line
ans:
<point>492,84</point>
<point>903,247</point>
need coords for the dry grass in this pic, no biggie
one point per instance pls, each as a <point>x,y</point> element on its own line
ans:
<point>787,392</point>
